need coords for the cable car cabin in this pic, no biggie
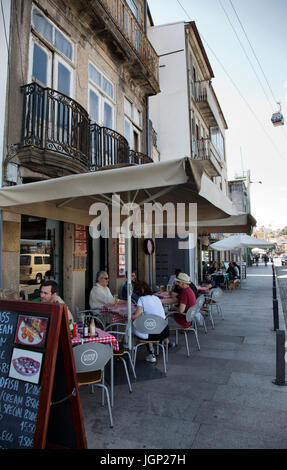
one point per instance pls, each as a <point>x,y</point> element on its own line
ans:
<point>277,119</point>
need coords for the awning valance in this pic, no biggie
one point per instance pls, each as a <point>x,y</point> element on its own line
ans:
<point>69,198</point>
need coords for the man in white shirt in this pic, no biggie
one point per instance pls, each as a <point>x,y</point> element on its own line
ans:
<point>100,293</point>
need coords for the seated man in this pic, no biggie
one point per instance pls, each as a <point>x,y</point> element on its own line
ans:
<point>100,293</point>
<point>125,289</point>
<point>186,299</point>
<point>48,293</point>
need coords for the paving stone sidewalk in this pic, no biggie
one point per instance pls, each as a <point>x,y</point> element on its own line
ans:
<point>221,397</point>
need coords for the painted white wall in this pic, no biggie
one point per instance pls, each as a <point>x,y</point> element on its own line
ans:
<point>4,25</point>
<point>169,109</point>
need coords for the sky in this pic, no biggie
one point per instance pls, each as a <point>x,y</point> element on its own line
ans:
<point>246,43</point>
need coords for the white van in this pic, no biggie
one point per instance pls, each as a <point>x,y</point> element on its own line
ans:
<point>34,267</point>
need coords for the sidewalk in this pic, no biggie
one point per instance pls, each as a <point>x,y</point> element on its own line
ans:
<point>221,397</point>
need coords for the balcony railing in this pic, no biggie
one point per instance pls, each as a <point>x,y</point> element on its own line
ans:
<point>203,99</point>
<point>109,148</point>
<point>204,150</point>
<point>57,133</point>
<point>55,122</point>
<point>134,34</point>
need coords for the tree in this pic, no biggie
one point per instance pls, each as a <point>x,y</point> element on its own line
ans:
<point>284,231</point>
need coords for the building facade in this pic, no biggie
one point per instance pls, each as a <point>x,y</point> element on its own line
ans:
<point>79,77</point>
<point>188,120</point>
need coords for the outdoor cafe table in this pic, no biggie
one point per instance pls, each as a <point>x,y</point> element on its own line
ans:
<point>102,337</point>
<point>114,310</point>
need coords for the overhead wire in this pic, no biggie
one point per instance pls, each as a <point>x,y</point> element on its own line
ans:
<point>246,55</point>
<point>254,53</point>
<point>237,88</point>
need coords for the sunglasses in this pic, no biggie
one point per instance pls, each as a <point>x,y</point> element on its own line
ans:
<point>105,278</point>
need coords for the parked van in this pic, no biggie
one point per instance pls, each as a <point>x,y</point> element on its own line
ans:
<point>34,267</point>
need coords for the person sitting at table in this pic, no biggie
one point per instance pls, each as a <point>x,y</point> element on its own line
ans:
<point>172,278</point>
<point>231,272</point>
<point>186,299</point>
<point>125,289</point>
<point>237,269</point>
<point>149,304</point>
<point>48,293</point>
<point>100,293</point>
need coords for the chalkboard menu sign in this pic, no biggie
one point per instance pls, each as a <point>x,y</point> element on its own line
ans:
<point>36,365</point>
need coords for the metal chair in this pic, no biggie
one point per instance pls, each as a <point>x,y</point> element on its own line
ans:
<point>190,316</point>
<point>90,361</point>
<point>123,349</point>
<point>215,294</point>
<point>91,313</point>
<point>150,324</point>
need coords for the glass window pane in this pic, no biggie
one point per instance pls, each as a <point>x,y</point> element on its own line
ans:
<point>94,75</point>
<point>133,7</point>
<point>94,106</point>
<point>128,132</point>
<point>128,108</point>
<point>40,63</point>
<point>63,45</point>
<point>108,87</point>
<point>64,79</point>
<point>42,25</point>
<point>108,115</point>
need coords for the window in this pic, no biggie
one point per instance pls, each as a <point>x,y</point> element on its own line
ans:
<point>133,6</point>
<point>38,260</point>
<point>217,140</point>
<point>52,34</point>
<point>133,124</point>
<point>51,66</point>
<point>101,95</point>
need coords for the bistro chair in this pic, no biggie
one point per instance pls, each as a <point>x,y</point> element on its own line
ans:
<point>121,337</point>
<point>90,360</point>
<point>215,294</point>
<point>91,313</point>
<point>150,324</point>
<point>190,316</point>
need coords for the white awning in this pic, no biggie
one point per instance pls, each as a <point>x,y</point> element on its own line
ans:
<point>69,198</point>
<point>242,223</point>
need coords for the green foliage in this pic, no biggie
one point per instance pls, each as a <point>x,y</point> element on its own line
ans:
<point>284,231</point>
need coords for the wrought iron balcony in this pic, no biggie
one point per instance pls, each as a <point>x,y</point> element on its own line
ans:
<point>114,22</point>
<point>55,133</point>
<point>205,152</point>
<point>202,96</point>
<point>58,138</point>
<point>108,148</point>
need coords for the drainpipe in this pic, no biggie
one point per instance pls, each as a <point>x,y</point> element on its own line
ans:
<point>147,100</point>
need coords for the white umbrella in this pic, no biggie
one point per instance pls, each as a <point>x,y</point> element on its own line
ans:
<point>240,241</point>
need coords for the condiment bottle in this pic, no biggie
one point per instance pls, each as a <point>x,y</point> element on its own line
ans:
<point>92,328</point>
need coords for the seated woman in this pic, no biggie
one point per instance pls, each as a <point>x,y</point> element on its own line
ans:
<point>148,304</point>
<point>100,293</point>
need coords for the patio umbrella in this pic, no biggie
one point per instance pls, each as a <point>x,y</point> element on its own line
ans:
<point>240,241</point>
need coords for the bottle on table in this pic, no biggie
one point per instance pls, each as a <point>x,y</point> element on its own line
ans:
<point>71,328</point>
<point>92,328</point>
<point>86,331</point>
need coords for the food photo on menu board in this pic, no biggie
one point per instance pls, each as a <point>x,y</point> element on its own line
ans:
<point>31,331</point>
<point>26,365</point>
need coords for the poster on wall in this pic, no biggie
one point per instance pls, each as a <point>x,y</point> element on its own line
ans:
<point>121,256</point>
